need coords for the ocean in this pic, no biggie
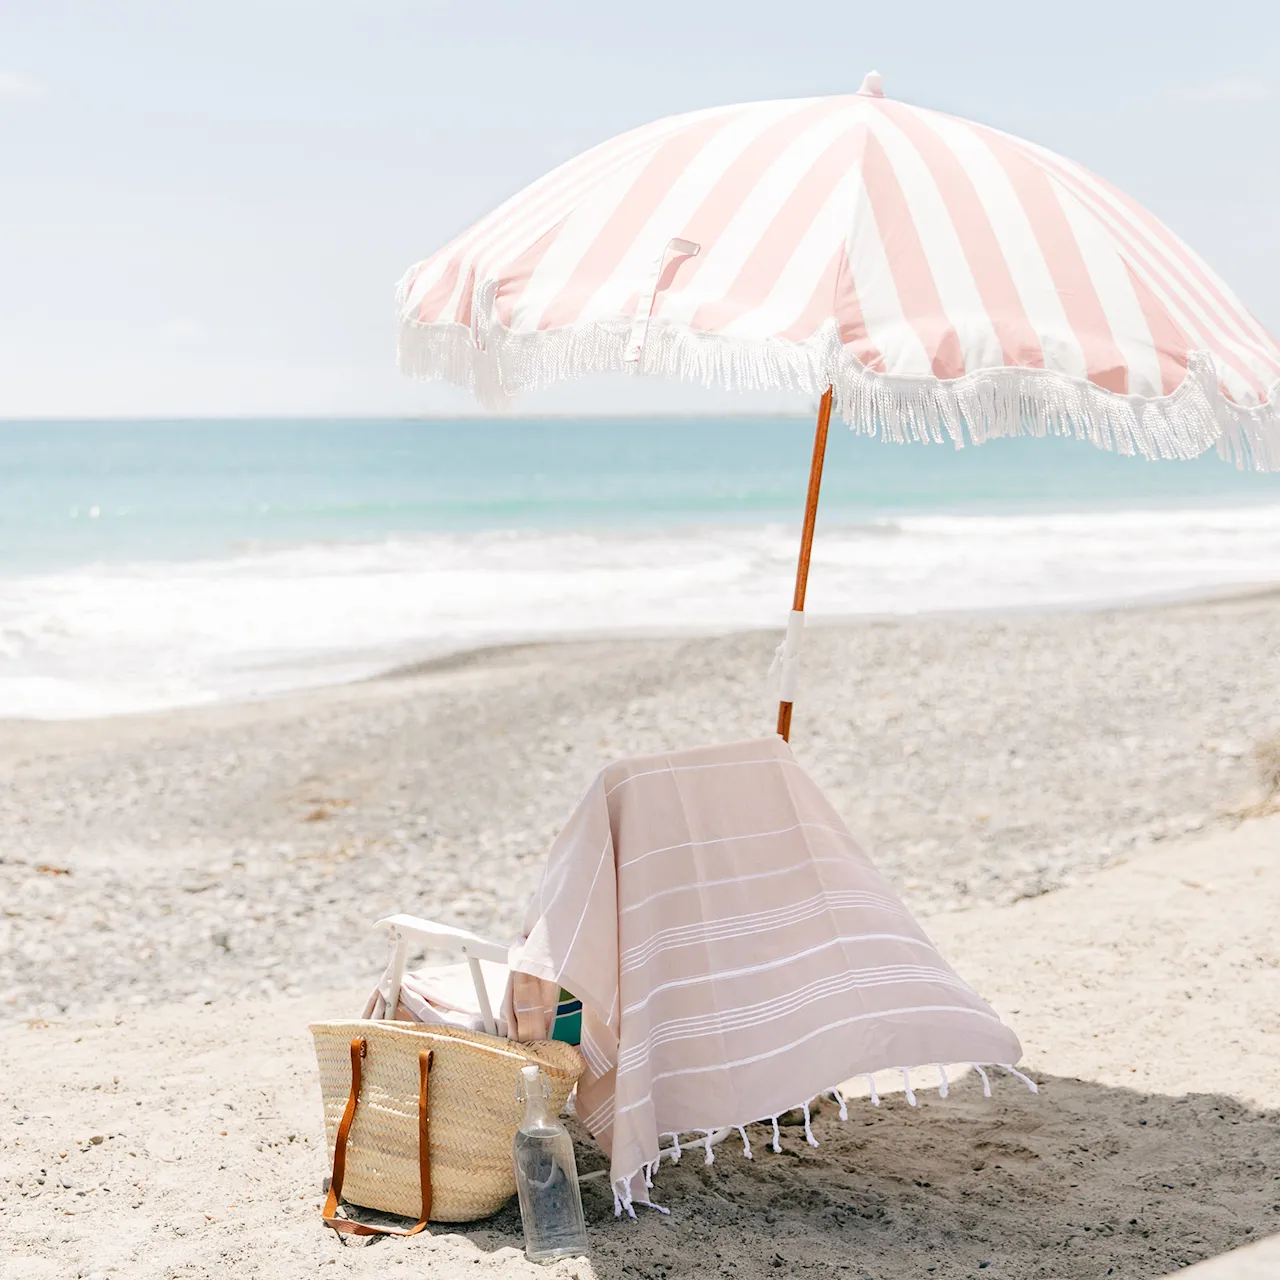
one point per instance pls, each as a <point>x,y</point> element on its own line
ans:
<point>156,564</point>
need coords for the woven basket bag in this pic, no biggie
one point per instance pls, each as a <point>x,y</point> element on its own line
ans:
<point>464,1081</point>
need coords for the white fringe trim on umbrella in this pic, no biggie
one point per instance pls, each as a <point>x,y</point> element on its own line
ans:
<point>495,363</point>
<point>625,1198</point>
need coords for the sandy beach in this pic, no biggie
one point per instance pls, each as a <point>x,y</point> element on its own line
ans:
<point>1082,807</point>
<point>413,414</point>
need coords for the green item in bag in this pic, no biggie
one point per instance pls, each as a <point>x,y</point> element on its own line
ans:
<point>567,1026</point>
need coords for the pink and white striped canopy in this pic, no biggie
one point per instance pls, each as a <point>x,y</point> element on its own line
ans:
<point>947,279</point>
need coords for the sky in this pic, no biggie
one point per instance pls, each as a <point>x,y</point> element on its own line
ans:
<point>204,208</point>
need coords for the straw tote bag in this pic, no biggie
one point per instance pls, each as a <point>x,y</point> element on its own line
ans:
<point>420,1118</point>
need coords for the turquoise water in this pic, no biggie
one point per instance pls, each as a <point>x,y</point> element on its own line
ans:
<point>78,492</point>
<point>154,564</point>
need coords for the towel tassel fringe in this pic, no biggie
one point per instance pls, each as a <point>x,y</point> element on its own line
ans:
<point>625,1202</point>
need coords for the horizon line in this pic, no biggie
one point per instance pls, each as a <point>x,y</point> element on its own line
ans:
<point>16,420</point>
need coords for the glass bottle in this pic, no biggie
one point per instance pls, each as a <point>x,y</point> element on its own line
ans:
<point>546,1177</point>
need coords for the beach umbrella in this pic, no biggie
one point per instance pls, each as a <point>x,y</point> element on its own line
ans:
<point>930,278</point>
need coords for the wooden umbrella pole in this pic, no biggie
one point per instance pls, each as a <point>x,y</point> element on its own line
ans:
<point>802,567</point>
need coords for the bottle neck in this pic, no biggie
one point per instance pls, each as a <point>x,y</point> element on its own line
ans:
<point>536,1111</point>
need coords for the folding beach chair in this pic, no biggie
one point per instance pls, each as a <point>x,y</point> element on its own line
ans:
<point>486,966</point>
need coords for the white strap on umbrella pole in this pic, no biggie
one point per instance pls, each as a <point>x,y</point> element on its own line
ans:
<point>788,656</point>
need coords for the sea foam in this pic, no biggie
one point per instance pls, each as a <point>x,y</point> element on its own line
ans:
<point>123,637</point>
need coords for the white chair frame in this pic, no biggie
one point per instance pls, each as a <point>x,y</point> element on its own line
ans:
<point>405,929</point>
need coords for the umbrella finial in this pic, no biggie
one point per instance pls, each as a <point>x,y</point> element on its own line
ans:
<point>872,85</point>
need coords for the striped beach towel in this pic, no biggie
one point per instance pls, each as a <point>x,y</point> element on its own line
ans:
<point>735,953</point>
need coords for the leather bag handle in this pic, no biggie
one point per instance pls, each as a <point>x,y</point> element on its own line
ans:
<point>359,1049</point>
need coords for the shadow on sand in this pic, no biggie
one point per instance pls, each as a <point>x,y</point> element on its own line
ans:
<point>1082,1181</point>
